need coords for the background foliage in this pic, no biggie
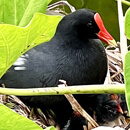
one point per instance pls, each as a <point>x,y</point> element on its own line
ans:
<point>20,12</point>
<point>16,40</point>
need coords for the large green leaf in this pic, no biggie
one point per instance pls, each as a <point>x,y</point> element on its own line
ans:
<point>20,12</point>
<point>10,120</point>
<point>14,40</point>
<point>127,23</point>
<point>127,78</point>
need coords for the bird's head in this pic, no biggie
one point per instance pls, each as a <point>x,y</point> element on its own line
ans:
<point>85,24</point>
<point>108,108</point>
<point>115,98</point>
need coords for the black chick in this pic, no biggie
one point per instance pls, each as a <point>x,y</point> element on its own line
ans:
<point>74,54</point>
<point>106,108</point>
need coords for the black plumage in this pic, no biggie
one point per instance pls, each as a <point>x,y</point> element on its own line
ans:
<point>103,109</point>
<point>74,54</point>
<point>107,109</point>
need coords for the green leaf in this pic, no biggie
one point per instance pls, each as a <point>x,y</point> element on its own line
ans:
<point>15,41</point>
<point>127,78</point>
<point>20,12</point>
<point>127,24</point>
<point>10,120</point>
<point>49,1</point>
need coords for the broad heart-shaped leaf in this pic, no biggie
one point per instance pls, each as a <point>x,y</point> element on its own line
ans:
<point>10,120</point>
<point>20,12</point>
<point>127,78</point>
<point>127,24</point>
<point>15,40</point>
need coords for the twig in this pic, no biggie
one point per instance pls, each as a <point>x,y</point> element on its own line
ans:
<point>123,40</point>
<point>76,106</point>
<point>61,3</point>
<point>113,76</point>
<point>108,79</point>
<point>128,127</point>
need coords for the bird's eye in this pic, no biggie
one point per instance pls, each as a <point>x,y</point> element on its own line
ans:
<point>90,25</point>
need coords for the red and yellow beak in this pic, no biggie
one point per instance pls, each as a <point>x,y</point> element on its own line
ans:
<point>103,34</point>
<point>119,109</point>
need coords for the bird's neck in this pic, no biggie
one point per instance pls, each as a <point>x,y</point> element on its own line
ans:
<point>70,40</point>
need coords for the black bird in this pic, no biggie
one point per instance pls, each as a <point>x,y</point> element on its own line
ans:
<point>106,108</point>
<point>74,54</point>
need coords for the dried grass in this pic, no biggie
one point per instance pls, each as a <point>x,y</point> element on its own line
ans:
<point>115,65</point>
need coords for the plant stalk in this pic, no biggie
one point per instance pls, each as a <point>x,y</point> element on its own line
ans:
<point>84,89</point>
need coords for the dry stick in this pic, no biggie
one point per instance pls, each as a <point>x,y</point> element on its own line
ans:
<point>76,106</point>
<point>54,5</point>
<point>108,77</point>
<point>113,76</point>
<point>128,127</point>
<point>112,56</point>
<point>123,40</point>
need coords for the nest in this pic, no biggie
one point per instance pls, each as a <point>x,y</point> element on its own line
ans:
<point>115,76</point>
<point>115,72</point>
